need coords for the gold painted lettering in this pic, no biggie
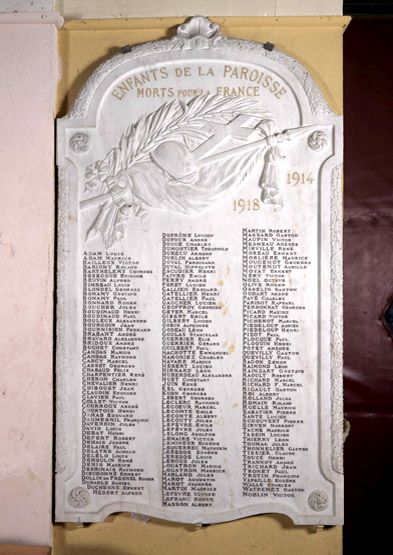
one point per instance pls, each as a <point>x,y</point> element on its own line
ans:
<point>243,73</point>
<point>163,73</point>
<point>124,88</point>
<point>130,83</point>
<point>280,93</point>
<point>266,82</point>
<point>205,71</point>
<point>275,86</point>
<point>117,94</point>
<point>183,71</point>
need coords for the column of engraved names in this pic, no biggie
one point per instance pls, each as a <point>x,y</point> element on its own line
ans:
<point>271,374</point>
<point>113,331</point>
<point>190,352</point>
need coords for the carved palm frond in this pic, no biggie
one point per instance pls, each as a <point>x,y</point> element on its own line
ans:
<point>173,120</point>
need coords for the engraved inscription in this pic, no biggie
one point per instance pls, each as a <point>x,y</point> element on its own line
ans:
<point>272,375</point>
<point>113,331</point>
<point>190,352</point>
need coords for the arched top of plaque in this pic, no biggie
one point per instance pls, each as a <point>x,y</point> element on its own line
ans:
<point>201,38</point>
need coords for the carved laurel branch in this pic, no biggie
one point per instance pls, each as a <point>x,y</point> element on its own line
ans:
<point>336,318</point>
<point>199,33</point>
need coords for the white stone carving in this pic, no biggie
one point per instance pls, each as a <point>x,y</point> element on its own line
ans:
<point>198,26</point>
<point>174,159</point>
<point>78,498</point>
<point>80,142</point>
<point>211,163</point>
<point>317,140</point>
<point>318,500</point>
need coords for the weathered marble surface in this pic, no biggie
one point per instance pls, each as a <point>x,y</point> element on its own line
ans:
<point>199,287</point>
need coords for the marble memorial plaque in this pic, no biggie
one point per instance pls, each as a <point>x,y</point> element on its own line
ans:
<point>199,287</point>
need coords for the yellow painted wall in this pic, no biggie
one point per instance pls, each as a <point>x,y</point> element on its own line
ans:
<point>259,535</point>
<point>317,43</point>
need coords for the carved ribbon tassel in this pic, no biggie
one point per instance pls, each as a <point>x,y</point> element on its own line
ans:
<point>270,178</point>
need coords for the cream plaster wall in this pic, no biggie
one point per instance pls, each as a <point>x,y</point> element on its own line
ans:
<point>97,9</point>
<point>28,70</point>
<point>12,6</point>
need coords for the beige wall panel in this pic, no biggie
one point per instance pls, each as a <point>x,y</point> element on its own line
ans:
<point>317,43</point>
<point>268,534</point>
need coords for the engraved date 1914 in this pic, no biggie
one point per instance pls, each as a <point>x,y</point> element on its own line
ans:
<point>294,178</point>
<point>299,178</point>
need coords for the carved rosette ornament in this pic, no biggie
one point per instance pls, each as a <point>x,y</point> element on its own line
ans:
<point>79,142</point>
<point>318,500</point>
<point>78,497</point>
<point>317,140</point>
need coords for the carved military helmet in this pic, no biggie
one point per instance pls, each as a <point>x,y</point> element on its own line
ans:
<point>175,159</point>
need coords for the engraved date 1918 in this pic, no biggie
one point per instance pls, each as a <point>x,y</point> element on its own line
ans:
<point>246,204</point>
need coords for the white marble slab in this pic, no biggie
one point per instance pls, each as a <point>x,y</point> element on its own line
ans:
<point>199,287</point>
